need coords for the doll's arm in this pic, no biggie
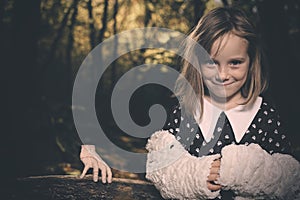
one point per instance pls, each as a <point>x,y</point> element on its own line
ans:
<point>251,172</point>
<point>91,159</point>
<point>174,172</point>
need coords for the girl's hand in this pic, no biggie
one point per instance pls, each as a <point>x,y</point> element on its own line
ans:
<point>214,175</point>
<point>91,159</point>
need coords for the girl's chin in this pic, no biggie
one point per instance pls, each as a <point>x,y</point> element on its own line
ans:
<point>221,95</point>
<point>224,96</point>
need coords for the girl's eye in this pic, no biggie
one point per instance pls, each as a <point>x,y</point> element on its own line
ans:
<point>210,63</point>
<point>235,62</point>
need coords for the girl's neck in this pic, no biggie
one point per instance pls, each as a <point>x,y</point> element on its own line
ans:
<point>226,104</point>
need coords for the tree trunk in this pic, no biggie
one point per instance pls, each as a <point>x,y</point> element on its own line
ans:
<point>225,2</point>
<point>69,67</point>
<point>199,7</point>
<point>102,30</point>
<point>104,21</point>
<point>91,24</point>
<point>115,50</point>
<point>147,13</point>
<point>58,37</point>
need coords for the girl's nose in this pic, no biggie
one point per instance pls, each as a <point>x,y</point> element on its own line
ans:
<point>222,74</point>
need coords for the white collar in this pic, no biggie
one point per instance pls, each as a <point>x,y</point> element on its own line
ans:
<point>240,118</point>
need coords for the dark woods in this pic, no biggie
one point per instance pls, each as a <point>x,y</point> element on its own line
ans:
<point>44,42</point>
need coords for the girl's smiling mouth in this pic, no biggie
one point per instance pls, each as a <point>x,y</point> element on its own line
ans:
<point>222,83</point>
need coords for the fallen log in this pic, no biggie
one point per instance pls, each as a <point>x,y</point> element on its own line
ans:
<point>64,187</point>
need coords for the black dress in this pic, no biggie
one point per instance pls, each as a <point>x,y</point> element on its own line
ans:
<point>266,130</point>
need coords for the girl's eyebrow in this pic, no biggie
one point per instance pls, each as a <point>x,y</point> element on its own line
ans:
<point>237,58</point>
<point>232,58</point>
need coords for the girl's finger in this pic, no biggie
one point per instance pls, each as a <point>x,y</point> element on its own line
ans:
<point>214,170</point>
<point>216,163</point>
<point>213,187</point>
<point>212,177</point>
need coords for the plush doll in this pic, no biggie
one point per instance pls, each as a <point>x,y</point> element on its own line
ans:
<point>249,171</point>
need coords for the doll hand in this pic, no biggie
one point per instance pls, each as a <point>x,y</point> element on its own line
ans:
<point>214,175</point>
<point>91,159</point>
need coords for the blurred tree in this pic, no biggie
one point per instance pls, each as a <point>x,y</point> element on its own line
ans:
<point>199,7</point>
<point>104,21</point>
<point>91,22</point>
<point>115,50</point>
<point>211,4</point>
<point>147,17</point>
<point>69,49</point>
<point>59,35</point>
<point>225,3</point>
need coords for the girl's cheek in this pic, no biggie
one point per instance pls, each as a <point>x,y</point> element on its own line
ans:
<point>209,73</point>
<point>239,73</point>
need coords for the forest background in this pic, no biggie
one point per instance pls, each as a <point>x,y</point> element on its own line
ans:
<point>44,42</point>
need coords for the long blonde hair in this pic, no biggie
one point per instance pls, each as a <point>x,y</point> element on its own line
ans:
<point>214,25</point>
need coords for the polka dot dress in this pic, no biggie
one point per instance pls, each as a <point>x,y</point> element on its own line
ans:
<point>266,130</point>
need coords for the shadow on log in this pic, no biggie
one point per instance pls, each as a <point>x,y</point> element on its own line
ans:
<point>71,187</point>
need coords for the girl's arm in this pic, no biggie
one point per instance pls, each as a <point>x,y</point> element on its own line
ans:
<point>176,173</point>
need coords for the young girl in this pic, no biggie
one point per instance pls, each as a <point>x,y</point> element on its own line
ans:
<point>228,110</point>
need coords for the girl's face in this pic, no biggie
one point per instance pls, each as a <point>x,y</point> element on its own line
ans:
<point>225,76</point>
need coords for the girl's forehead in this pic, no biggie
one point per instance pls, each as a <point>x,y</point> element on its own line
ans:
<point>229,42</point>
